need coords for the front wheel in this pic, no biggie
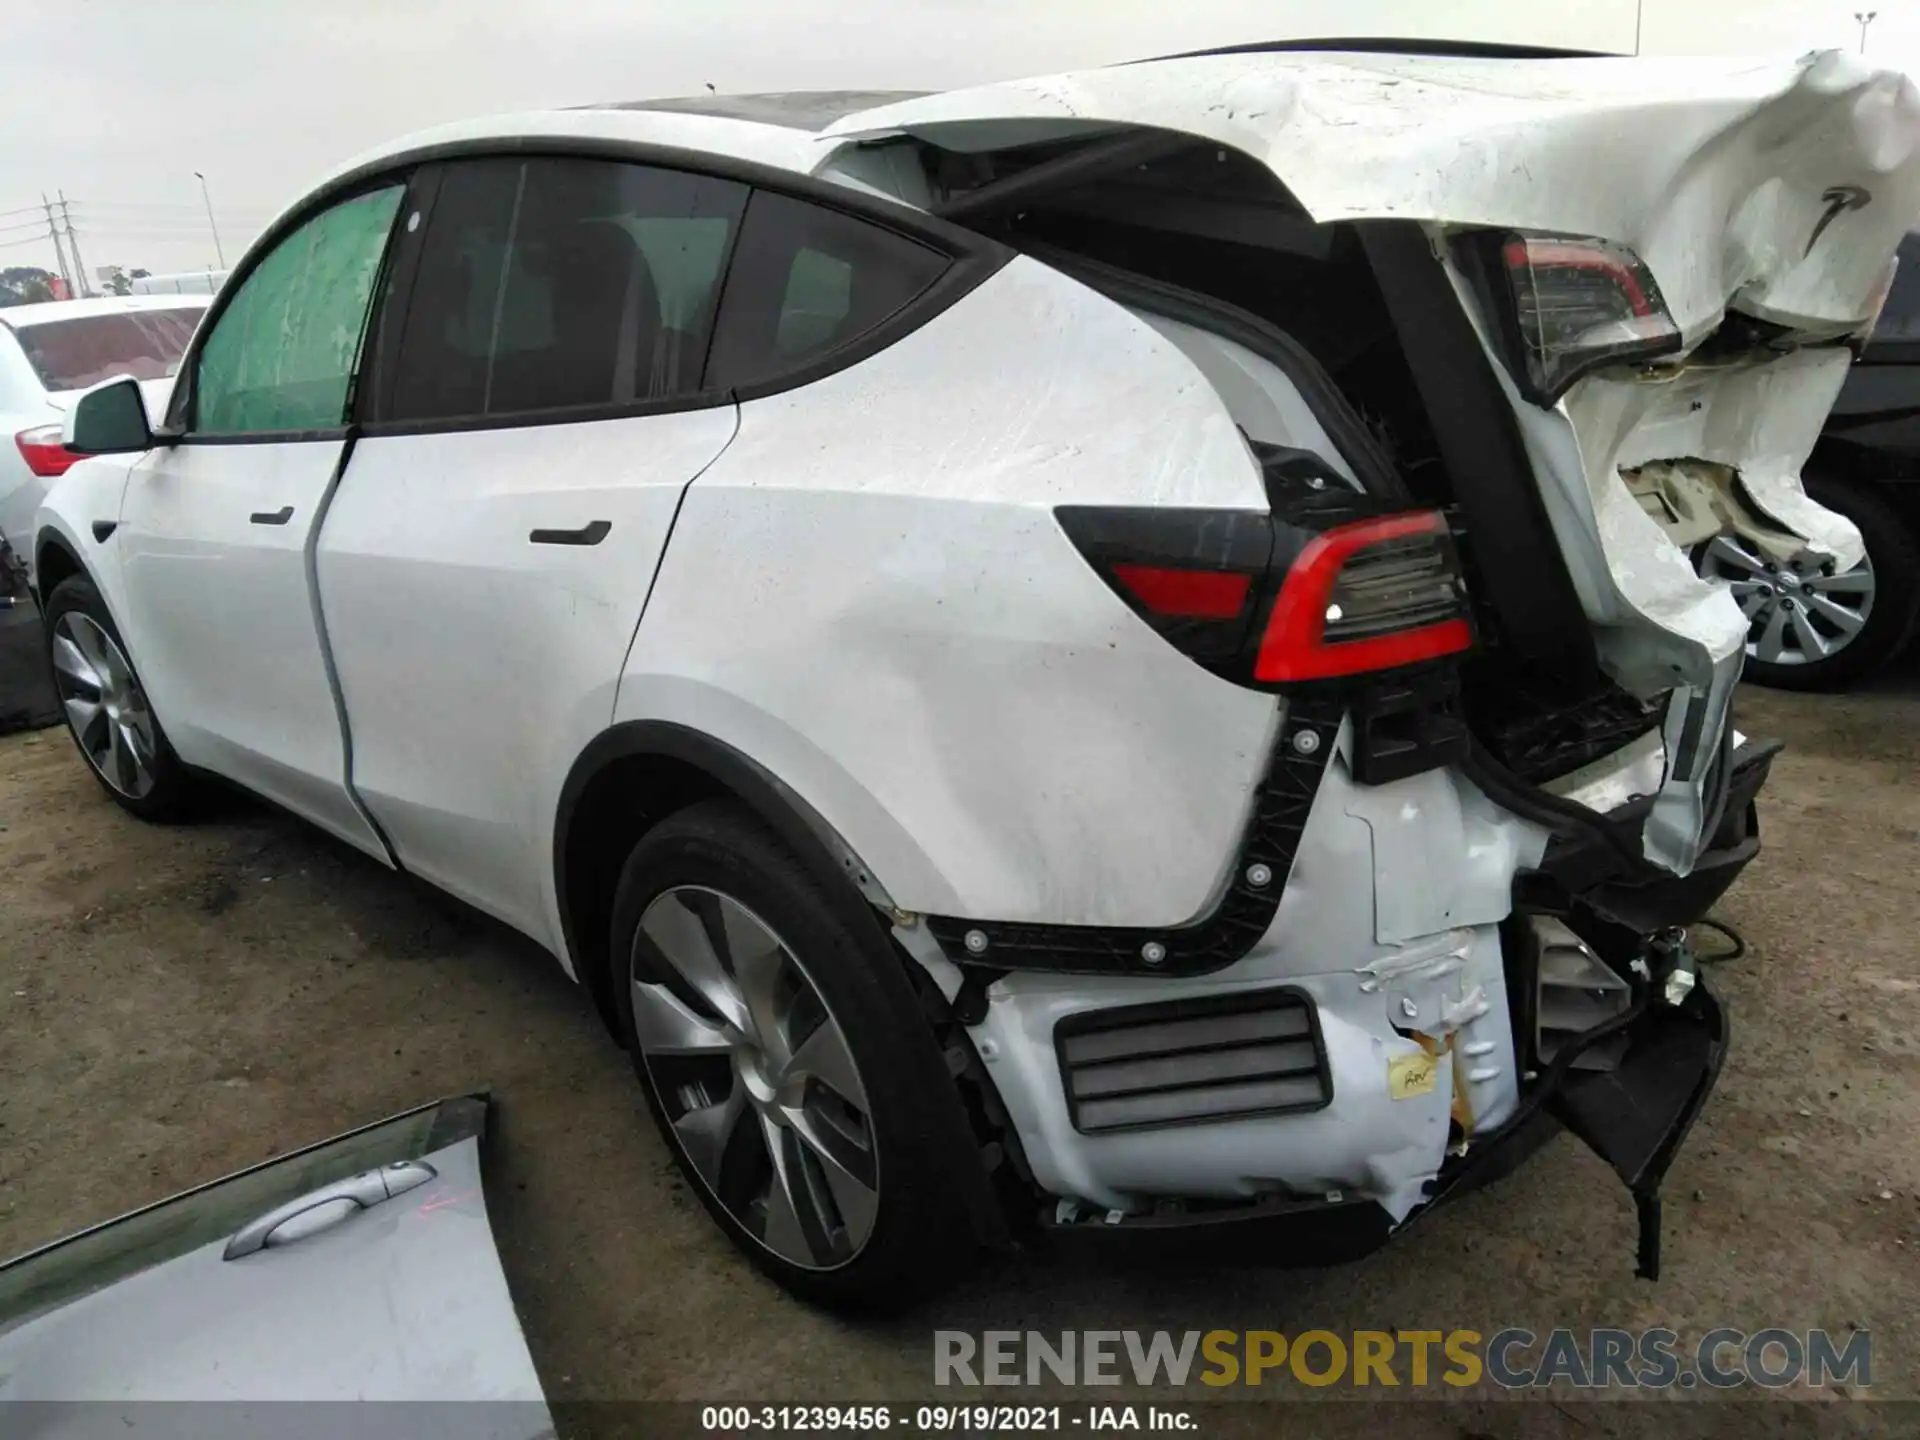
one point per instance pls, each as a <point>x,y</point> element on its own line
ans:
<point>106,709</point>
<point>1809,629</point>
<point>789,1067</point>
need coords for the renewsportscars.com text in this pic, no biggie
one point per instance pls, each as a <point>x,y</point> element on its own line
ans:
<point>1513,1358</point>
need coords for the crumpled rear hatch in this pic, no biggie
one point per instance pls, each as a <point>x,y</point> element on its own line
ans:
<point>1739,216</point>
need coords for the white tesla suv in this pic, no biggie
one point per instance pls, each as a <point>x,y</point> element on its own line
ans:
<point>1089,660</point>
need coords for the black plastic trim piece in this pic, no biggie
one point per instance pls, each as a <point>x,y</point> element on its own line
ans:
<point>103,530</point>
<point>262,437</point>
<point>1521,573</point>
<point>1089,162</point>
<point>1280,1232</point>
<point>272,517</point>
<point>1243,1002</point>
<point>381,349</point>
<point>1238,917</point>
<point>591,533</point>
<point>745,777</point>
<point>1389,45</point>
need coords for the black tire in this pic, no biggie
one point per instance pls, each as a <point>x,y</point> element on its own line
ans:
<point>1895,555</point>
<point>930,1179</point>
<point>172,784</point>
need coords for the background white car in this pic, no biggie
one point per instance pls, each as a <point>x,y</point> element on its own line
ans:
<point>1070,656</point>
<point>51,352</point>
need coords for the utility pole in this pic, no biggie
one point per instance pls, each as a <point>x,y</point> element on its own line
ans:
<point>1864,18</point>
<point>73,244</point>
<point>208,201</point>
<point>59,250</point>
<point>1639,10</point>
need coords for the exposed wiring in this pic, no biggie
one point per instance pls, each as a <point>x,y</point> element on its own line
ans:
<point>1732,937</point>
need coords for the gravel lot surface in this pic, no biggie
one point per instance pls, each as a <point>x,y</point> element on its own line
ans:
<point>175,1004</point>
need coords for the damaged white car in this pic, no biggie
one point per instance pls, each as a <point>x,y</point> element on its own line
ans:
<point>1095,656</point>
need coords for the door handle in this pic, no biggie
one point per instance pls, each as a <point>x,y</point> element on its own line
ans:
<point>273,517</point>
<point>586,535</point>
<point>326,1207</point>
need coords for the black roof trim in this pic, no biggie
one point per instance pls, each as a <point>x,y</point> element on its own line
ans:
<point>1388,45</point>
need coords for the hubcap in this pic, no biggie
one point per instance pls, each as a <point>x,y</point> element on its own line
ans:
<point>755,1076</point>
<point>1796,613</point>
<point>106,709</point>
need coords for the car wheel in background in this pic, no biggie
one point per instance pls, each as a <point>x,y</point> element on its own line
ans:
<point>1811,630</point>
<point>789,1066</point>
<point>106,710</point>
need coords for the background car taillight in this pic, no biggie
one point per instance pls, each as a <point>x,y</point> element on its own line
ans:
<point>1576,304</point>
<point>44,451</point>
<point>1268,600</point>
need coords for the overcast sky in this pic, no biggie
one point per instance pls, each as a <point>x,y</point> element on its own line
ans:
<point>118,102</point>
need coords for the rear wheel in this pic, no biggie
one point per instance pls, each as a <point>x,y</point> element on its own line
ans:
<point>106,709</point>
<point>1811,629</point>
<point>795,1079</point>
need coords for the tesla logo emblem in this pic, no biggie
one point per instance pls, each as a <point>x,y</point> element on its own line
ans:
<point>1839,200</point>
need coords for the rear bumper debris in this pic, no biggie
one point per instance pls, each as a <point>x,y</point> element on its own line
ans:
<point>1635,1117</point>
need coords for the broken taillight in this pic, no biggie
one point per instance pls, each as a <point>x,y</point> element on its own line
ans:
<point>1578,304</point>
<point>1265,599</point>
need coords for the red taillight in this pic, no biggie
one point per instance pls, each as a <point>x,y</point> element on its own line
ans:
<point>1260,598</point>
<point>1371,595</point>
<point>44,451</point>
<point>1181,594</point>
<point>1580,303</point>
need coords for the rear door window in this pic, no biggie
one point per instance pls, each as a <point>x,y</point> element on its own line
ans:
<point>561,285</point>
<point>808,281</point>
<point>282,354</point>
<point>73,354</point>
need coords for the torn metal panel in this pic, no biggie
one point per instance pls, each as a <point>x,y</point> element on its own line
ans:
<point>1715,171</point>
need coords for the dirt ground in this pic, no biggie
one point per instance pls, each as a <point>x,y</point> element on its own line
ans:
<point>178,1003</point>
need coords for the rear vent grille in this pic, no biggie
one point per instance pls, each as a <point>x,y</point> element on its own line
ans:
<point>1577,992</point>
<point>1185,1062</point>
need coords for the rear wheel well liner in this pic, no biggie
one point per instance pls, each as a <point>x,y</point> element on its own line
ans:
<point>630,778</point>
<point>53,561</point>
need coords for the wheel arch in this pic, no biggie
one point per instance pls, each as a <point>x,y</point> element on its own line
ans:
<point>637,773</point>
<point>54,560</point>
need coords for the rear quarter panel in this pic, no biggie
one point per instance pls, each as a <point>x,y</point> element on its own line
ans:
<point>868,594</point>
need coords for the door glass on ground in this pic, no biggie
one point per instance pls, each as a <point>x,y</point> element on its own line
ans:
<point>558,284</point>
<point>282,353</point>
<point>806,281</point>
<point>73,354</point>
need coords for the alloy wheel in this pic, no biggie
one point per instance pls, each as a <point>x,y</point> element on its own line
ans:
<point>105,706</point>
<point>755,1076</point>
<point>1797,613</point>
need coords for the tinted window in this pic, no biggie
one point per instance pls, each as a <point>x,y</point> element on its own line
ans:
<point>806,281</point>
<point>282,353</point>
<point>73,354</point>
<point>549,284</point>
